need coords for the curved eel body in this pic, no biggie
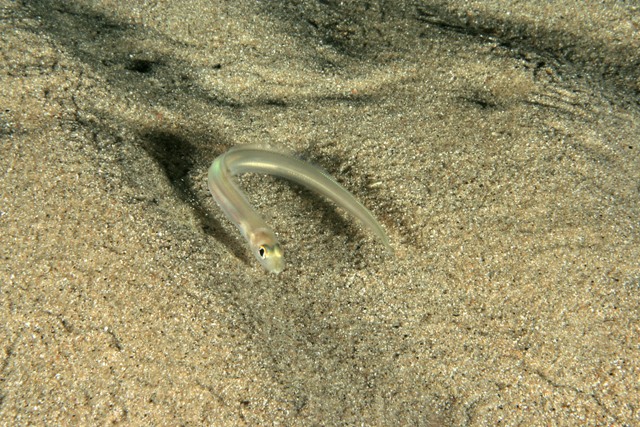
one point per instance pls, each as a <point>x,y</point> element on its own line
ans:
<point>259,159</point>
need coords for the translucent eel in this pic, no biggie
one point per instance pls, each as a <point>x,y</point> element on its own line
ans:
<point>260,159</point>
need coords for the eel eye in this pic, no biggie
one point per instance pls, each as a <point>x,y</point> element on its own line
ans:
<point>262,251</point>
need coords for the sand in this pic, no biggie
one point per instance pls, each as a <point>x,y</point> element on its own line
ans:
<point>497,142</point>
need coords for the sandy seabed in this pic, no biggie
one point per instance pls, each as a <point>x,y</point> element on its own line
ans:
<point>497,142</point>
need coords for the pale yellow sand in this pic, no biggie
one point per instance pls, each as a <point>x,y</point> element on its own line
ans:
<point>497,143</point>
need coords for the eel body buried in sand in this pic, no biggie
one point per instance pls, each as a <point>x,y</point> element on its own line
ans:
<point>260,159</point>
